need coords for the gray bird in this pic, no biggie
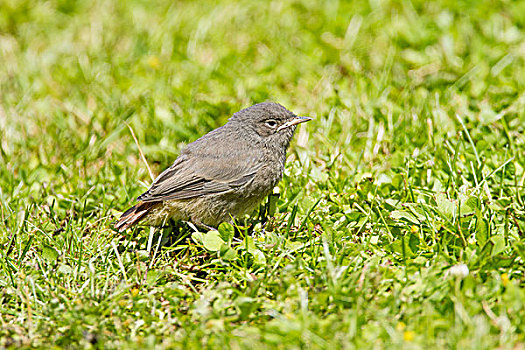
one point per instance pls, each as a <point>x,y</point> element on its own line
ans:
<point>225,173</point>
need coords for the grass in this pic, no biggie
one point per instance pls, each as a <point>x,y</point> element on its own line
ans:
<point>400,221</point>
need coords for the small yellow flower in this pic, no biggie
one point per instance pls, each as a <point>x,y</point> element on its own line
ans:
<point>153,62</point>
<point>414,229</point>
<point>134,292</point>
<point>400,326</point>
<point>215,324</point>
<point>505,279</point>
<point>408,335</point>
<point>462,158</point>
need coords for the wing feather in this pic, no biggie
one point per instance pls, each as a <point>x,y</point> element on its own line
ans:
<point>194,175</point>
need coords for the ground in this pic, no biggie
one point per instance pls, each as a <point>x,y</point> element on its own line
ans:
<point>399,222</point>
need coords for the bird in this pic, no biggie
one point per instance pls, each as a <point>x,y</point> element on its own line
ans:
<point>222,175</point>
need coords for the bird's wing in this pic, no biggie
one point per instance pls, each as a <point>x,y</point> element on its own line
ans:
<point>194,175</point>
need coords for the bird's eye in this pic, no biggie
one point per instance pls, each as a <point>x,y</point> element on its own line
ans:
<point>271,123</point>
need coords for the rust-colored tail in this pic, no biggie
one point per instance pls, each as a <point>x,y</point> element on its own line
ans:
<point>134,214</point>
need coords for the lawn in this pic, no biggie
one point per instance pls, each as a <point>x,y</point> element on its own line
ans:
<point>399,222</point>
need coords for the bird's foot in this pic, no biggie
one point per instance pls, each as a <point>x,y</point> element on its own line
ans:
<point>202,225</point>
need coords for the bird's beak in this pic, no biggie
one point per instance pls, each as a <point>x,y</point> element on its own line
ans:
<point>296,120</point>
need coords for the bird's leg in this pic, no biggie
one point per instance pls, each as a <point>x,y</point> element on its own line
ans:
<point>202,225</point>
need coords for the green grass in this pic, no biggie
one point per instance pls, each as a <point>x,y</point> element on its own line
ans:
<point>411,173</point>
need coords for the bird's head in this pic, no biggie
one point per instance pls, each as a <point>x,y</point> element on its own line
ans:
<point>270,121</point>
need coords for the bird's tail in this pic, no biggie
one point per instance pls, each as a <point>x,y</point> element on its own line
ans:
<point>134,214</point>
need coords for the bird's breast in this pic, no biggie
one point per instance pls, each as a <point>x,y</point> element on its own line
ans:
<point>268,176</point>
